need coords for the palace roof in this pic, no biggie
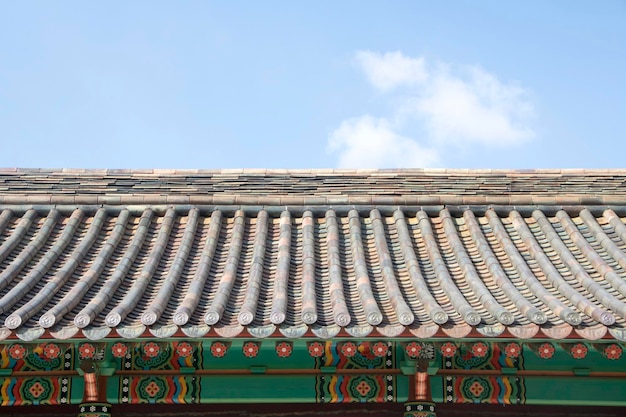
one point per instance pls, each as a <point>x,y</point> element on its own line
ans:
<point>313,253</point>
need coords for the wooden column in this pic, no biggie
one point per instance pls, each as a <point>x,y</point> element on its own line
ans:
<point>420,402</point>
<point>94,398</point>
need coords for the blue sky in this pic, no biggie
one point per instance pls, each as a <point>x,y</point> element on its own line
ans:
<point>303,84</point>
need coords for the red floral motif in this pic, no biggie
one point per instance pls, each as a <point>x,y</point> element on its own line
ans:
<point>413,350</point>
<point>476,388</point>
<point>283,349</point>
<point>250,349</point>
<point>86,350</point>
<point>17,351</point>
<point>348,349</point>
<point>546,351</point>
<point>51,351</point>
<point>448,349</point>
<point>36,390</point>
<point>151,349</point>
<point>316,349</point>
<point>363,388</point>
<point>479,349</point>
<point>578,351</point>
<point>513,350</point>
<point>218,349</point>
<point>380,349</point>
<point>613,351</point>
<point>119,350</point>
<point>152,389</point>
<point>184,349</point>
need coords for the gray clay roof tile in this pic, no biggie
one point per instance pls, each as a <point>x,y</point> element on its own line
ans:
<point>404,253</point>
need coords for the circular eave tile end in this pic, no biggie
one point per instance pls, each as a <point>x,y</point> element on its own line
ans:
<point>472,318</point>
<point>607,319</point>
<point>47,320</point>
<point>180,318</point>
<point>148,318</point>
<point>309,317</point>
<point>211,318</point>
<point>277,318</point>
<point>506,318</point>
<point>439,317</point>
<point>245,318</point>
<point>13,322</point>
<point>113,319</point>
<point>539,317</point>
<point>82,320</point>
<point>573,319</point>
<point>406,319</point>
<point>374,319</point>
<point>342,319</point>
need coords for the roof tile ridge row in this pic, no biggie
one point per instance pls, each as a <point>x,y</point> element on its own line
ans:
<point>337,297</point>
<point>403,312</point>
<point>29,252</point>
<point>14,295</point>
<point>434,310</point>
<point>453,293</point>
<point>104,295</point>
<point>471,276</point>
<point>227,281</point>
<point>595,289</point>
<point>531,312</point>
<point>321,171</point>
<point>5,217</point>
<point>53,286</point>
<point>18,234</point>
<point>596,260</point>
<point>446,230</point>
<point>255,275</point>
<point>278,312</point>
<point>373,314</point>
<point>309,299</point>
<point>192,298</point>
<point>25,256</point>
<point>139,285</point>
<point>75,295</point>
<point>554,198</point>
<point>555,278</point>
<point>158,304</point>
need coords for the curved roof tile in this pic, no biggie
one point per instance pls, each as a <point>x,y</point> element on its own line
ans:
<point>313,269</point>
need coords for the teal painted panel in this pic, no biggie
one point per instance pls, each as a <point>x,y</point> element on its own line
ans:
<point>266,355</point>
<point>78,389</point>
<point>576,391</point>
<point>257,389</point>
<point>437,388</point>
<point>563,361</point>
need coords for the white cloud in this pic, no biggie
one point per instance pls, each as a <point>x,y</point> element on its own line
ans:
<point>392,69</point>
<point>474,109</point>
<point>368,142</point>
<point>454,106</point>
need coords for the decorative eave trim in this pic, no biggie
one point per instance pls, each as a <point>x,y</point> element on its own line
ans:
<point>317,211</point>
<point>265,200</point>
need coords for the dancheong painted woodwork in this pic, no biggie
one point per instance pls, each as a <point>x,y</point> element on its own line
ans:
<point>426,289</point>
<point>190,372</point>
